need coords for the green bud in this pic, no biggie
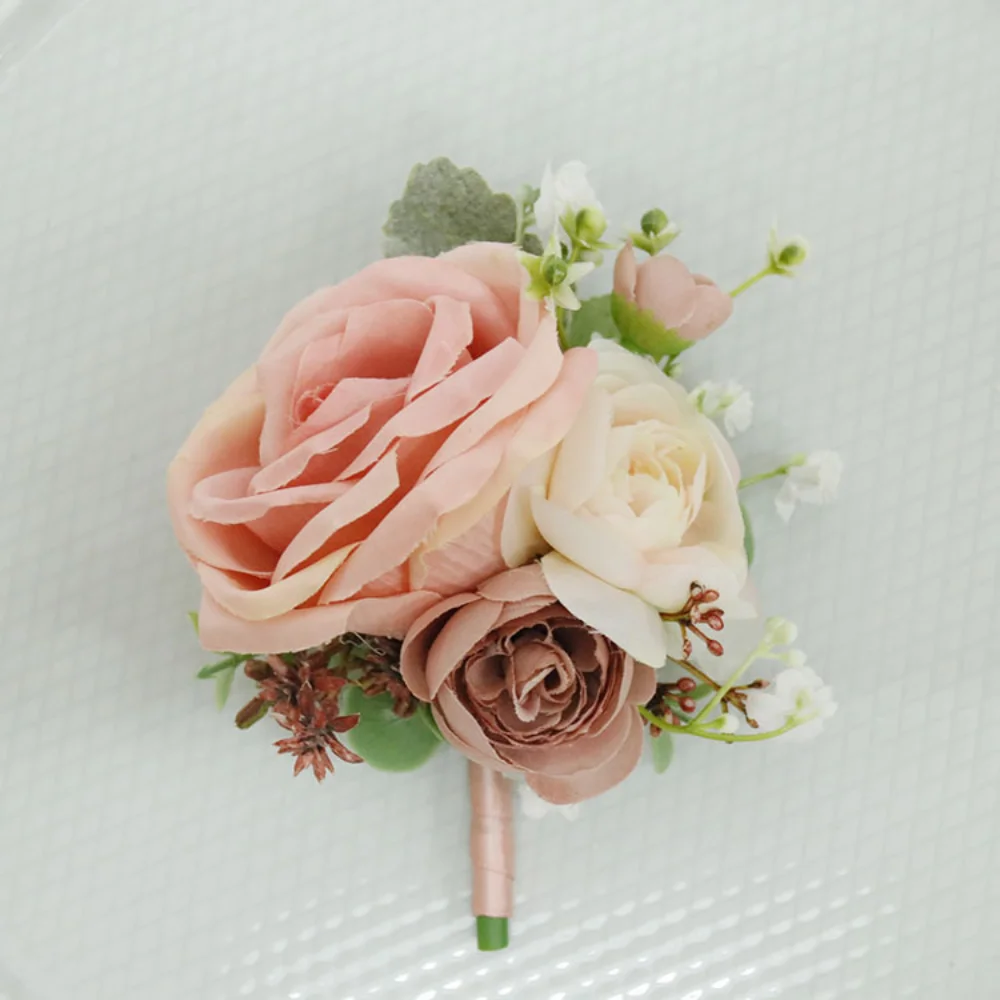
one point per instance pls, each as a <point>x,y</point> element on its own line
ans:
<point>792,254</point>
<point>554,271</point>
<point>654,222</point>
<point>590,225</point>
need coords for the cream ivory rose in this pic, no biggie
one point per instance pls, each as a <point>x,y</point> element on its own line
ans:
<point>357,473</point>
<point>636,503</point>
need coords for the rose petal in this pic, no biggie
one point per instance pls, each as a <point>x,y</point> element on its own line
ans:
<point>419,278</point>
<point>293,463</point>
<point>580,468</point>
<point>363,496</point>
<point>624,618</point>
<point>542,426</point>
<point>419,639</point>
<point>520,539</point>
<point>404,527</point>
<point>273,599</point>
<point>447,402</point>
<point>308,627</point>
<point>591,543</point>
<point>538,368</point>
<point>223,499</point>
<point>664,286</point>
<point>225,438</point>
<point>461,632</point>
<point>277,372</point>
<point>566,789</point>
<point>625,273</point>
<point>450,333</point>
<point>712,307</point>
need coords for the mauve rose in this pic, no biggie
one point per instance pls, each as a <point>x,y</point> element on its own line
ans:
<point>690,304</point>
<point>357,473</point>
<point>517,683</point>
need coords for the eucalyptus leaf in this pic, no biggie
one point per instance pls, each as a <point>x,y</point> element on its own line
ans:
<point>593,316</point>
<point>223,685</point>
<point>643,333</point>
<point>386,741</point>
<point>663,751</point>
<point>444,207</point>
<point>749,543</point>
<point>700,691</point>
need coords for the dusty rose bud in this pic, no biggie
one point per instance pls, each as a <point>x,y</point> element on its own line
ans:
<point>690,304</point>
<point>686,684</point>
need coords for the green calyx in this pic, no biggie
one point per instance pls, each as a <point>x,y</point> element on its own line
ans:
<point>643,333</point>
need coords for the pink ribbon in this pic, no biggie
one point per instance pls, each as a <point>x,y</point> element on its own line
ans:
<point>491,843</point>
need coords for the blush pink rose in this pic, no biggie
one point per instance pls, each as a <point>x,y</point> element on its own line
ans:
<point>519,684</point>
<point>357,473</point>
<point>690,304</point>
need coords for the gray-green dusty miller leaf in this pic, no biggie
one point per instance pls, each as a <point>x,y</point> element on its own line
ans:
<point>444,207</point>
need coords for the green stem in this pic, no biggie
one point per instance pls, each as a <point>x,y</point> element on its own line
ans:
<point>781,470</point>
<point>720,737</point>
<point>519,224</point>
<point>492,933</point>
<point>750,282</point>
<point>725,688</point>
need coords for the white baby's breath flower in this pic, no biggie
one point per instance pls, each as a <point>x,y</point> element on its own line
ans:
<point>565,190</point>
<point>797,696</point>
<point>784,255</point>
<point>813,479</point>
<point>726,400</point>
<point>779,632</point>
<point>728,723</point>
<point>535,807</point>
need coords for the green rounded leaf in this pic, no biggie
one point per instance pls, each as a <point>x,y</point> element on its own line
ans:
<point>386,741</point>
<point>749,544</point>
<point>663,751</point>
<point>643,333</point>
<point>593,316</point>
<point>444,207</point>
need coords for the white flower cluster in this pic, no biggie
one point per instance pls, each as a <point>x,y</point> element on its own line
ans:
<point>727,401</point>
<point>797,698</point>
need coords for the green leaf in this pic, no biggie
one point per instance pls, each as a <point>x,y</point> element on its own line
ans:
<point>749,544</point>
<point>643,333</point>
<point>223,685</point>
<point>229,662</point>
<point>386,741</point>
<point>193,616</point>
<point>593,316</point>
<point>699,691</point>
<point>663,751</point>
<point>532,244</point>
<point>444,207</point>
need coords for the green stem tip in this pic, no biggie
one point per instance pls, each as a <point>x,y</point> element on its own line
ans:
<point>492,933</point>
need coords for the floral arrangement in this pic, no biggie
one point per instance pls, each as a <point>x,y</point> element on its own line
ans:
<point>453,504</point>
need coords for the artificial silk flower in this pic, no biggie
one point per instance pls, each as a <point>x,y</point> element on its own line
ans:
<point>727,401</point>
<point>566,190</point>
<point>437,512</point>
<point>635,504</point>
<point>812,479</point>
<point>797,697</point>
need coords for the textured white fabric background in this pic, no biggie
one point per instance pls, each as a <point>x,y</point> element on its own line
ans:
<point>173,176</point>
